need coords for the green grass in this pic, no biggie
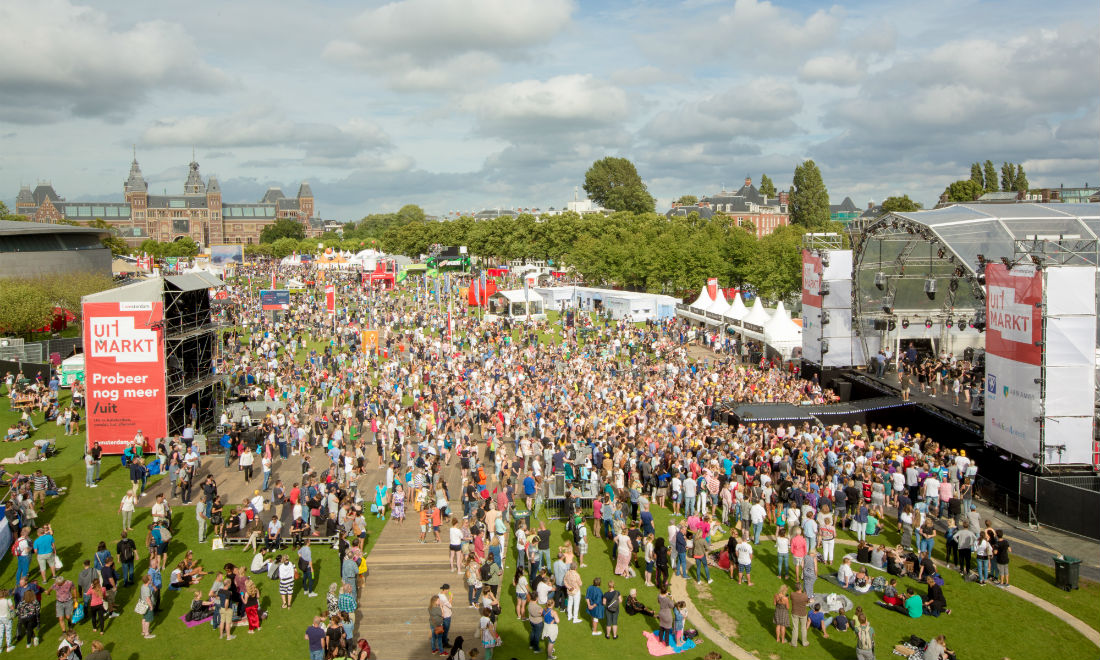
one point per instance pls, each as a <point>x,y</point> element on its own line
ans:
<point>977,627</point>
<point>575,641</point>
<point>85,516</point>
<point>986,623</point>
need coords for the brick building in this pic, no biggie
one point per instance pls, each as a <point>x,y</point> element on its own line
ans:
<point>199,212</point>
<point>743,207</point>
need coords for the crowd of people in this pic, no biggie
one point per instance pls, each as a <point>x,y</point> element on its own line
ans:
<point>623,409</point>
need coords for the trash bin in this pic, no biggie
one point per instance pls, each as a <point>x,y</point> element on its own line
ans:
<point>1066,572</point>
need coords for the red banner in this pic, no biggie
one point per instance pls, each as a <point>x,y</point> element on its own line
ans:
<point>712,288</point>
<point>811,279</point>
<point>124,373</point>
<point>330,298</point>
<point>1013,315</point>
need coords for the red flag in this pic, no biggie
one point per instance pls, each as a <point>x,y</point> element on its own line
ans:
<point>273,280</point>
<point>330,298</point>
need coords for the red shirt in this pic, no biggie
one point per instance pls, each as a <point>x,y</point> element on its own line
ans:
<point>295,495</point>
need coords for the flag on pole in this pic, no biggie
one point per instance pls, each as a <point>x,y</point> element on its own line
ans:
<point>477,294</point>
<point>330,298</point>
<point>273,280</point>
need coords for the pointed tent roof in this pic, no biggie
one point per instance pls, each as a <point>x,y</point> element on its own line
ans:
<point>212,185</point>
<point>737,308</point>
<point>757,315</point>
<point>719,306</point>
<point>781,330</point>
<point>703,302</point>
<point>25,196</point>
<point>304,191</point>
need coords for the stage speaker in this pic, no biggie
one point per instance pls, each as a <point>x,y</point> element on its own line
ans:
<point>559,485</point>
<point>843,389</point>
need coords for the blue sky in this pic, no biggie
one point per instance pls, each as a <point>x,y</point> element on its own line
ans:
<point>459,105</point>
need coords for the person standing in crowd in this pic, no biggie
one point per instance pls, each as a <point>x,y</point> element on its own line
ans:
<point>800,612</point>
<point>782,616</point>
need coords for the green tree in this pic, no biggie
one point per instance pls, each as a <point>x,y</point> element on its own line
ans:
<point>976,174</point>
<point>687,200</point>
<point>989,173</point>
<point>809,200</point>
<point>776,270</point>
<point>767,187</point>
<point>614,183</point>
<point>24,307</point>
<point>963,190</point>
<point>1008,177</point>
<point>904,204</point>
<point>5,214</point>
<point>282,228</point>
<point>116,245</point>
<point>284,247</point>
<point>410,213</point>
<point>1020,182</point>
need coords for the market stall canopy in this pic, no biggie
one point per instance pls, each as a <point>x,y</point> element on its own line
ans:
<point>737,308</point>
<point>757,315</point>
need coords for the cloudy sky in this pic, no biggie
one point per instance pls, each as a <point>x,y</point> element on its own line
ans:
<point>466,104</point>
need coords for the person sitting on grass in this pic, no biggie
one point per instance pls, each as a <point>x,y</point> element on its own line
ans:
<point>935,603</point>
<point>818,621</point>
<point>634,606</point>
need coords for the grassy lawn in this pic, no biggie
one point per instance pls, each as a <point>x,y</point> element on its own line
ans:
<point>986,623</point>
<point>85,516</point>
<point>976,628</point>
<point>575,641</point>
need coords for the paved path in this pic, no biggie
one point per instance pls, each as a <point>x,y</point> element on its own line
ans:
<point>678,590</point>
<point>404,575</point>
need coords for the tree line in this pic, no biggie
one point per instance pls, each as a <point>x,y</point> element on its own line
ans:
<point>27,303</point>
<point>984,179</point>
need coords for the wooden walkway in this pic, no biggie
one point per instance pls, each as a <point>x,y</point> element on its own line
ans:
<point>404,575</point>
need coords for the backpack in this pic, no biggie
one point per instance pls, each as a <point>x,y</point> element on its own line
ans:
<point>864,641</point>
<point>126,553</point>
<point>484,571</point>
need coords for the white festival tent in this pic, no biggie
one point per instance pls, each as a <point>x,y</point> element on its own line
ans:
<point>703,302</point>
<point>719,304</point>
<point>757,315</point>
<point>781,333</point>
<point>737,310</point>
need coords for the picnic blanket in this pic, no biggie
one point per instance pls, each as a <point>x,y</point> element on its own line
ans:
<point>655,646</point>
<point>192,624</point>
<point>911,652</point>
<point>832,602</point>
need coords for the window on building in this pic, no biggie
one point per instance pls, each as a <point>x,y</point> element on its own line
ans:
<point>181,226</point>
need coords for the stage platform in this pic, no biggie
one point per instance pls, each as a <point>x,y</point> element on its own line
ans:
<point>942,406</point>
<point>850,412</point>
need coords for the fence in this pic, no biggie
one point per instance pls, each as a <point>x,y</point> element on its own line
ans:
<point>1068,503</point>
<point>40,351</point>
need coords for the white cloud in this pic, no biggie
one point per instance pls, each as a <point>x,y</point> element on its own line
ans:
<point>759,109</point>
<point>442,44</point>
<point>534,109</point>
<point>322,144</point>
<point>63,58</point>
<point>837,69</point>
<point>756,30</point>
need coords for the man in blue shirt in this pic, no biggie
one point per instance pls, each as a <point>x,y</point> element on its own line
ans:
<point>529,489</point>
<point>44,548</point>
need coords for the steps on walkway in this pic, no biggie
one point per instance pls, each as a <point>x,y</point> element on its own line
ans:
<point>404,575</point>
